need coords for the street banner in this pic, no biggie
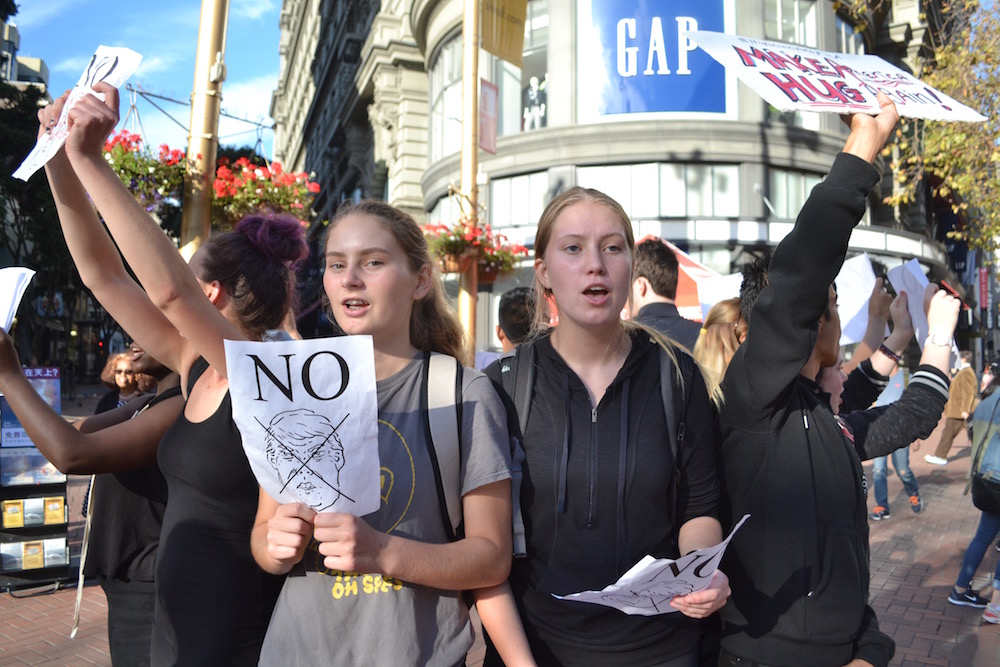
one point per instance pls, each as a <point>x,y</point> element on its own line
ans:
<point>796,78</point>
<point>489,96</point>
<point>111,65</point>
<point>308,414</point>
<point>502,28</point>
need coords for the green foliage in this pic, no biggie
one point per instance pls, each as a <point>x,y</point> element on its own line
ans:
<point>958,162</point>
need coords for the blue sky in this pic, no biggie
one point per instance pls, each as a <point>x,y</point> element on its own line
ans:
<point>65,34</point>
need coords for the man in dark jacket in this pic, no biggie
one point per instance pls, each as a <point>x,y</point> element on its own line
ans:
<point>799,567</point>
<point>654,289</point>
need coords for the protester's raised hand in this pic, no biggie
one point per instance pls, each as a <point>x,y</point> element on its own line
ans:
<point>879,303</point>
<point>48,115</point>
<point>288,533</point>
<point>869,133</point>
<point>900,312</point>
<point>942,311</point>
<point>90,121</point>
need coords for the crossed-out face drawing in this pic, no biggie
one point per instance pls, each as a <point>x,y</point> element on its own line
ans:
<point>305,451</point>
<point>655,595</point>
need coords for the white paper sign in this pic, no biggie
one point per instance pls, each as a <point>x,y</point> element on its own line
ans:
<point>792,77</point>
<point>111,65</point>
<point>855,283</point>
<point>910,278</point>
<point>649,586</point>
<point>13,281</point>
<point>308,414</point>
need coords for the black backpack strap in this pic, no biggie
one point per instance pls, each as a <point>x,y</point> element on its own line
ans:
<point>514,375</point>
<point>675,392</point>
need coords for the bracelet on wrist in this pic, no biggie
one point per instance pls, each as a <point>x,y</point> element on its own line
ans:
<point>889,353</point>
<point>939,339</point>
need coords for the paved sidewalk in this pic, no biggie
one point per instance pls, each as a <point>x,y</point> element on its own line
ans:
<point>915,558</point>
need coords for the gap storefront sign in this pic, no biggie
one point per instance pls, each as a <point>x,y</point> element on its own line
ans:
<point>635,59</point>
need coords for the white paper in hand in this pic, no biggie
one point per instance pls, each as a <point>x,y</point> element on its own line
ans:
<point>649,586</point>
<point>13,281</point>
<point>308,414</point>
<point>111,65</point>
<point>910,278</point>
<point>855,283</point>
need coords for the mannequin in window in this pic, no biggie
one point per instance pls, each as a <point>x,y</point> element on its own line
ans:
<point>534,104</point>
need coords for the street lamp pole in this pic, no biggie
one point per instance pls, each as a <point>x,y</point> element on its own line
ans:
<point>469,198</point>
<point>203,140</point>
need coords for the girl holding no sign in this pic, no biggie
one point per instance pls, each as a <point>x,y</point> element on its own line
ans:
<point>385,589</point>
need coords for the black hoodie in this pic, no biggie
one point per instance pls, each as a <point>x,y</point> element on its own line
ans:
<point>596,498</point>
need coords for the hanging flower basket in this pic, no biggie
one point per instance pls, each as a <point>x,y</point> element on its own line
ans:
<point>487,275</point>
<point>460,244</point>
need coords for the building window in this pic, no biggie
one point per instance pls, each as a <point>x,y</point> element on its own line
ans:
<point>668,190</point>
<point>446,100</point>
<point>849,41</point>
<point>523,103</point>
<point>791,21</point>
<point>789,191</point>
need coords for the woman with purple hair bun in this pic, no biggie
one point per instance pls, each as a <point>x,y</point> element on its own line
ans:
<point>212,601</point>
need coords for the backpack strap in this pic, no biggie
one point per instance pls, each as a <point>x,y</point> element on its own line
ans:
<point>674,393</point>
<point>517,379</point>
<point>442,409</point>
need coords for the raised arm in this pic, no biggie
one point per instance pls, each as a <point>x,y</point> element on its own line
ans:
<point>781,332</point>
<point>163,273</point>
<point>126,446</point>
<point>98,261</point>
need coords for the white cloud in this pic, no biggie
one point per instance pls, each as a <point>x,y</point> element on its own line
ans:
<point>32,15</point>
<point>251,9</point>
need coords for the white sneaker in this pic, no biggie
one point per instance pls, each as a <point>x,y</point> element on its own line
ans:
<point>992,613</point>
<point>936,460</point>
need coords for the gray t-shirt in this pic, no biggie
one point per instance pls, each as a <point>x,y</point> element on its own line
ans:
<point>335,618</point>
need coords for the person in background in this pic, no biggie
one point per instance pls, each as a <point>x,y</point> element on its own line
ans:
<point>963,398</point>
<point>986,451</point>
<point>127,496</point>
<point>988,374</point>
<point>720,336</point>
<point>514,316</point>
<point>654,288</point>
<point>125,383</point>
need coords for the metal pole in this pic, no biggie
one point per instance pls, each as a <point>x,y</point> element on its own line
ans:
<point>203,141</point>
<point>470,162</point>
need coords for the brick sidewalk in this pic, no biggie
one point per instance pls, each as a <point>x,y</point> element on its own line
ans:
<point>915,558</point>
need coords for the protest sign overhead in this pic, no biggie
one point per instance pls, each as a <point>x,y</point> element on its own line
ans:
<point>796,78</point>
<point>111,65</point>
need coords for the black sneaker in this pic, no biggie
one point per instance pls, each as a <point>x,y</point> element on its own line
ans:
<point>879,513</point>
<point>968,598</point>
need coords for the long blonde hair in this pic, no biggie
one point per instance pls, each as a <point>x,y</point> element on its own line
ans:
<point>433,324</point>
<point>718,341</point>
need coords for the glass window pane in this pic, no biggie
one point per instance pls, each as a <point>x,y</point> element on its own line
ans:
<point>539,187</point>
<point>796,196</point>
<point>500,203</point>
<point>779,193</point>
<point>699,190</point>
<point>520,212</point>
<point>672,198</point>
<point>726,191</point>
<point>645,191</point>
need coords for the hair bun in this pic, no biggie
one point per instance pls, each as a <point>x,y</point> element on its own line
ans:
<point>279,237</point>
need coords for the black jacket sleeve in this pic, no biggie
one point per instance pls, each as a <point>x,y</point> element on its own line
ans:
<point>882,430</point>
